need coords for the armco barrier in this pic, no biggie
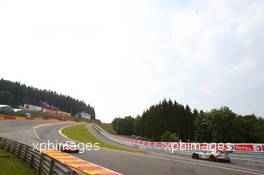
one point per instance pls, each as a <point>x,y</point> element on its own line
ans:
<point>82,166</point>
<point>245,153</point>
<point>40,162</point>
<point>182,146</point>
<point>53,162</point>
<point>32,118</point>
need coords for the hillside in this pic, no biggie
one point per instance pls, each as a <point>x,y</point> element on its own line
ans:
<point>16,94</point>
<point>171,121</point>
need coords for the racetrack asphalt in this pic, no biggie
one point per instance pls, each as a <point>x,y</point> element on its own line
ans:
<point>123,162</point>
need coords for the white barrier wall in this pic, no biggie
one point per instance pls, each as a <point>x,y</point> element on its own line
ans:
<point>183,146</point>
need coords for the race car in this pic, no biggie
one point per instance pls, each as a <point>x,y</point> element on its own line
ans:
<point>215,156</point>
<point>69,146</point>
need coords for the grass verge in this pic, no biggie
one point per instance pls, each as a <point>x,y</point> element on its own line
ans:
<point>12,165</point>
<point>81,134</point>
<point>108,127</point>
<point>4,115</point>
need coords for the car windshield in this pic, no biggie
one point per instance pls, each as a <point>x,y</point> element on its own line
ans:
<point>221,152</point>
<point>69,143</point>
<point>207,151</point>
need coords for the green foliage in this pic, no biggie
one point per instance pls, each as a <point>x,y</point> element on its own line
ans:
<point>223,125</point>
<point>17,94</point>
<point>124,126</point>
<point>12,165</point>
<point>6,97</point>
<point>137,126</point>
<point>108,127</point>
<point>160,121</point>
<point>165,116</point>
<point>81,134</point>
<point>167,136</point>
<point>200,127</point>
<point>220,124</point>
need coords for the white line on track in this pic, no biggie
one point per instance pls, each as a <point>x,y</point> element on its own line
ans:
<point>197,162</point>
<point>38,126</point>
<point>181,160</point>
<point>60,132</point>
<point>234,168</point>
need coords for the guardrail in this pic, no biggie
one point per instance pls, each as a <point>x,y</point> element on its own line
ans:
<point>246,157</point>
<point>182,146</point>
<point>41,163</point>
<point>37,118</point>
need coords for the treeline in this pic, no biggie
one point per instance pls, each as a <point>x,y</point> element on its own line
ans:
<point>171,121</point>
<point>16,94</point>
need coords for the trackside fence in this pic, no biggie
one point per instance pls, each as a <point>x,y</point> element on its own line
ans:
<point>246,153</point>
<point>41,163</point>
<point>256,148</point>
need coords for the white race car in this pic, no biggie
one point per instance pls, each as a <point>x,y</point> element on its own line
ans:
<point>215,156</point>
<point>69,146</point>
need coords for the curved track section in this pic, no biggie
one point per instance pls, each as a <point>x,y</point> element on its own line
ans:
<point>152,163</point>
<point>246,159</point>
<point>20,130</point>
<point>130,163</point>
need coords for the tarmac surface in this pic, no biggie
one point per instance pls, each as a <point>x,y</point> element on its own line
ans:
<point>152,163</point>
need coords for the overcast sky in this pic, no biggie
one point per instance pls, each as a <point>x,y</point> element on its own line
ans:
<point>123,56</point>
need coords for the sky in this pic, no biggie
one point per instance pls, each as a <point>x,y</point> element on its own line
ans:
<point>123,56</point>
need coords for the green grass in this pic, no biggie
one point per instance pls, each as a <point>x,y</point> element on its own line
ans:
<point>12,165</point>
<point>81,134</point>
<point>108,127</point>
<point>10,115</point>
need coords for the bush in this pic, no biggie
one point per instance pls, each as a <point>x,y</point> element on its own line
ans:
<point>6,98</point>
<point>167,136</point>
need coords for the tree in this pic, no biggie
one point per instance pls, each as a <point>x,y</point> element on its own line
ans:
<point>165,116</point>
<point>23,94</point>
<point>202,133</point>
<point>6,98</point>
<point>167,136</point>
<point>115,123</point>
<point>123,126</point>
<point>137,125</point>
<point>162,121</point>
<point>17,94</point>
<point>220,124</point>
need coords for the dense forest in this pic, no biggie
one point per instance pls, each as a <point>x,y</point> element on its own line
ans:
<point>170,121</point>
<point>16,94</point>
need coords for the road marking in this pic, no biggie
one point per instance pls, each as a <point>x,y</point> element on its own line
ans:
<point>196,162</point>
<point>42,125</point>
<point>63,135</point>
<point>79,164</point>
<point>186,161</point>
<point>73,161</point>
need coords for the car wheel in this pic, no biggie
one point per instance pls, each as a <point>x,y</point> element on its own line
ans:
<point>212,158</point>
<point>228,161</point>
<point>195,156</point>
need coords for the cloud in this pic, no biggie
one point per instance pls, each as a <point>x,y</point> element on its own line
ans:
<point>220,42</point>
<point>197,30</point>
<point>123,56</point>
